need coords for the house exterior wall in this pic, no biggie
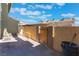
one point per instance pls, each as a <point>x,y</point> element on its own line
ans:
<point>32,31</point>
<point>65,34</point>
<point>6,22</point>
<point>40,35</point>
<point>12,25</point>
<point>29,31</point>
<point>3,17</point>
<point>59,34</point>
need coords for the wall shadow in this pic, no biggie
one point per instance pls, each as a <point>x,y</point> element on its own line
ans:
<point>23,48</point>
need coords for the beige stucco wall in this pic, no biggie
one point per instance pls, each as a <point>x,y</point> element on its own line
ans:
<point>12,25</point>
<point>29,31</point>
<point>65,34</point>
<point>32,31</point>
<point>6,22</point>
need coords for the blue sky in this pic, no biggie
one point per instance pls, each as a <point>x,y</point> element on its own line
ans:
<point>36,12</point>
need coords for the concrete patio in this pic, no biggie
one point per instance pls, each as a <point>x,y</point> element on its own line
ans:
<point>22,46</point>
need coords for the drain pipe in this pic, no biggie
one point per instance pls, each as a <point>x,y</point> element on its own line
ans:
<point>53,31</point>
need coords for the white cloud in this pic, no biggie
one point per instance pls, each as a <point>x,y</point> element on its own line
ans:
<point>77,19</point>
<point>44,6</point>
<point>40,6</point>
<point>31,16</point>
<point>44,16</point>
<point>23,11</point>
<point>60,4</point>
<point>48,15</point>
<point>29,21</point>
<point>68,15</point>
<point>28,13</point>
<point>33,13</point>
<point>13,10</point>
<point>40,16</point>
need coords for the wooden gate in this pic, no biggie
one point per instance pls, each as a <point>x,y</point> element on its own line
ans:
<point>46,36</point>
<point>49,37</point>
<point>43,35</point>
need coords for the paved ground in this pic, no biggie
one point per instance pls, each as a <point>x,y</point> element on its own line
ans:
<point>24,47</point>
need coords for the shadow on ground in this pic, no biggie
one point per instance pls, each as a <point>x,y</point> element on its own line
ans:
<point>23,48</point>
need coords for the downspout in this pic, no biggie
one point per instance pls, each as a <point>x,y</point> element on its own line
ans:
<point>37,34</point>
<point>9,6</point>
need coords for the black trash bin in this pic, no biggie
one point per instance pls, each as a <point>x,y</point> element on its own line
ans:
<point>70,49</point>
